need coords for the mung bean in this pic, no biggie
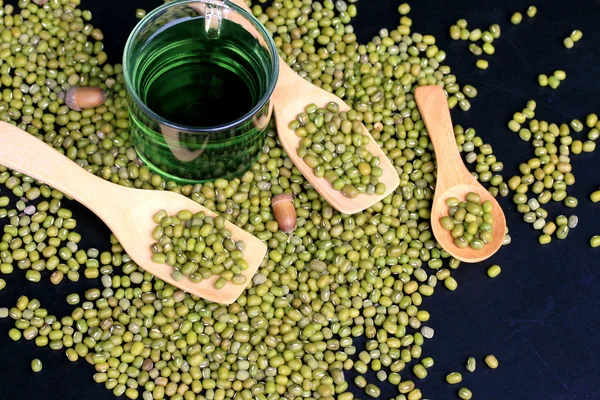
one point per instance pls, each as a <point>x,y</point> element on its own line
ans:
<point>482,64</point>
<point>36,365</point>
<point>576,35</point>
<point>516,18</point>
<point>494,271</point>
<point>568,43</point>
<point>453,378</point>
<point>491,361</point>
<point>531,11</point>
<point>465,393</point>
<point>471,364</point>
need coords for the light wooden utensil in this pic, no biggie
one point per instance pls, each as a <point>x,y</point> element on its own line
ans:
<point>453,178</point>
<point>292,94</point>
<point>127,212</point>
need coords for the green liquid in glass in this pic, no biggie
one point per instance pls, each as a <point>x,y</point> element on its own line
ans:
<point>190,79</point>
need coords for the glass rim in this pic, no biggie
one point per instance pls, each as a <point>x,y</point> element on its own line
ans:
<point>215,128</point>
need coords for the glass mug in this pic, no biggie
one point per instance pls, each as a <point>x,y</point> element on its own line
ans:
<point>199,76</point>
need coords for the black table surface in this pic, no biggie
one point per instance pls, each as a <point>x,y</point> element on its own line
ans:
<point>540,317</point>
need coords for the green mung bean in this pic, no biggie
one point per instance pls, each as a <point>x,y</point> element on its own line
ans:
<point>491,361</point>
<point>462,23</point>
<point>475,35</point>
<point>14,334</point>
<point>560,75</point>
<point>576,35</point>
<point>450,283</point>
<point>494,271</point>
<point>455,32</point>
<point>427,362</point>
<point>471,364</point>
<point>36,365</point>
<point>514,126</point>
<point>360,381</point>
<point>453,378</point>
<point>33,276</point>
<point>475,50</point>
<point>420,371</point>
<point>553,82</point>
<point>571,202</point>
<point>568,43</point>
<point>73,299</point>
<point>482,64</point>
<point>372,391</point>
<point>545,239</point>
<point>516,18</point>
<point>589,146</point>
<point>495,30</point>
<point>404,9</point>
<point>488,48</point>
<point>591,120</point>
<point>465,393</point>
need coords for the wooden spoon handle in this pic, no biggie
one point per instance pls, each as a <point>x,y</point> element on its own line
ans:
<point>433,107</point>
<point>22,152</point>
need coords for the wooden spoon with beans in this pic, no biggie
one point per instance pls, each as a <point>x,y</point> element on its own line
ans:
<point>292,94</point>
<point>453,178</point>
<point>127,212</point>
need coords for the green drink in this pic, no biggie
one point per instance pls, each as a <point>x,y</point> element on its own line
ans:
<point>199,78</point>
<point>192,80</point>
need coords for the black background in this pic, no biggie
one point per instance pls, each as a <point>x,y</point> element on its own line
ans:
<point>540,317</point>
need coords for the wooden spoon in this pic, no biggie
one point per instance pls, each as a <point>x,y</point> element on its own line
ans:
<point>127,212</point>
<point>453,178</point>
<point>292,94</point>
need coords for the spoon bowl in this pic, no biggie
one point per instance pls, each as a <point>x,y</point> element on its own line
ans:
<point>127,212</point>
<point>453,178</point>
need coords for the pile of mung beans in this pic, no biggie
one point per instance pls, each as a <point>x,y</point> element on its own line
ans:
<point>334,278</point>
